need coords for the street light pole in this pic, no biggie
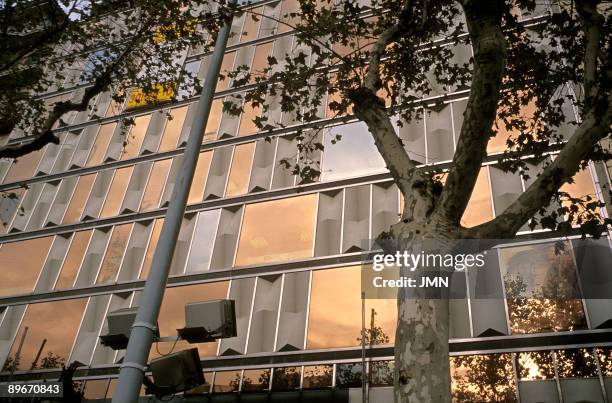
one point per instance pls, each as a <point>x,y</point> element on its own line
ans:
<point>145,326</point>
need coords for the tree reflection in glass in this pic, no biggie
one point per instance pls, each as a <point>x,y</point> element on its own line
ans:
<point>483,378</point>
<point>541,288</point>
<point>535,365</point>
<point>286,378</point>
<point>349,375</point>
<point>256,380</point>
<point>576,363</point>
<point>318,376</point>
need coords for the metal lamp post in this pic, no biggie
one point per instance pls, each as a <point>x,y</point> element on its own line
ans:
<point>144,328</point>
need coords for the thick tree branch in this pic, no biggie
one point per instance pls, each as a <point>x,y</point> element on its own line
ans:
<point>45,133</point>
<point>592,23</point>
<point>484,25</point>
<point>371,110</point>
<point>372,79</point>
<point>593,128</point>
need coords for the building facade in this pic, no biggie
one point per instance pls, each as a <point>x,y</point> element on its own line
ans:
<point>78,239</point>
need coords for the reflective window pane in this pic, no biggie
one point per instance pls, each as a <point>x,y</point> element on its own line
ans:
<point>173,128</point>
<point>133,140</point>
<point>114,253</point>
<point>247,125</point>
<point>349,375</point>
<point>20,264</point>
<point>381,373</point>
<point>541,288</point>
<point>286,378</point>
<point>576,363</point>
<point>326,329</point>
<point>260,60</point>
<point>98,151</point>
<point>59,334</point>
<point>290,10</point>
<point>256,380</point>
<point>242,160</point>
<point>73,259</point>
<point>196,192</point>
<point>95,389</point>
<point>483,378</point>
<point>172,314</point>
<point>251,24</point>
<point>79,199</point>
<point>214,119</point>
<point>203,241</point>
<point>535,365</point>
<point>318,376</point>
<point>226,381</point>
<point>155,185</point>
<point>24,167</point>
<point>116,192</point>
<point>479,208</point>
<point>148,258</point>
<point>9,205</point>
<point>355,154</point>
<point>226,67</point>
<point>277,230</point>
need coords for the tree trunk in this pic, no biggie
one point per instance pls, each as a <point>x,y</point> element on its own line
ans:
<point>422,369</point>
<point>421,351</point>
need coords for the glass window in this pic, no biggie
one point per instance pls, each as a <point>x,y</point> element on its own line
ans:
<point>73,259</point>
<point>214,120</point>
<point>57,334</point>
<point>535,365</point>
<point>318,376</point>
<point>9,203</point>
<point>349,375</point>
<point>20,264</point>
<point>96,389</point>
<point>355,154</point>
<point>172,314</point>
<point>498,142</point>
<point>277,230</point>
<point>581,188</point>
<point>288,21</point>
<point>240,170</point>
<point>249,112</point>
<point>79,199</point>
<point>327,330</point>
<point>133,140</point>
<point>260,60</point>
<point>203,241</point>
<point>114,197</point>
<point>286,378</point>
<point>114,253</point>
<point>479,209</point>
<point>226,381</point>
<point>196,192</point>
<point>541,288</point>
<point>252,19</point>
<point>256,380</point>
<point>226,67</point>
<point>605,360</point>
<point>381,373</point>
<point>480,378</point>
<point>148,258</point>
<point>576,363</point>
<point>24,167</point>
<point>155,185</point>
<point>98,151</point>
<point>173,128</point>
